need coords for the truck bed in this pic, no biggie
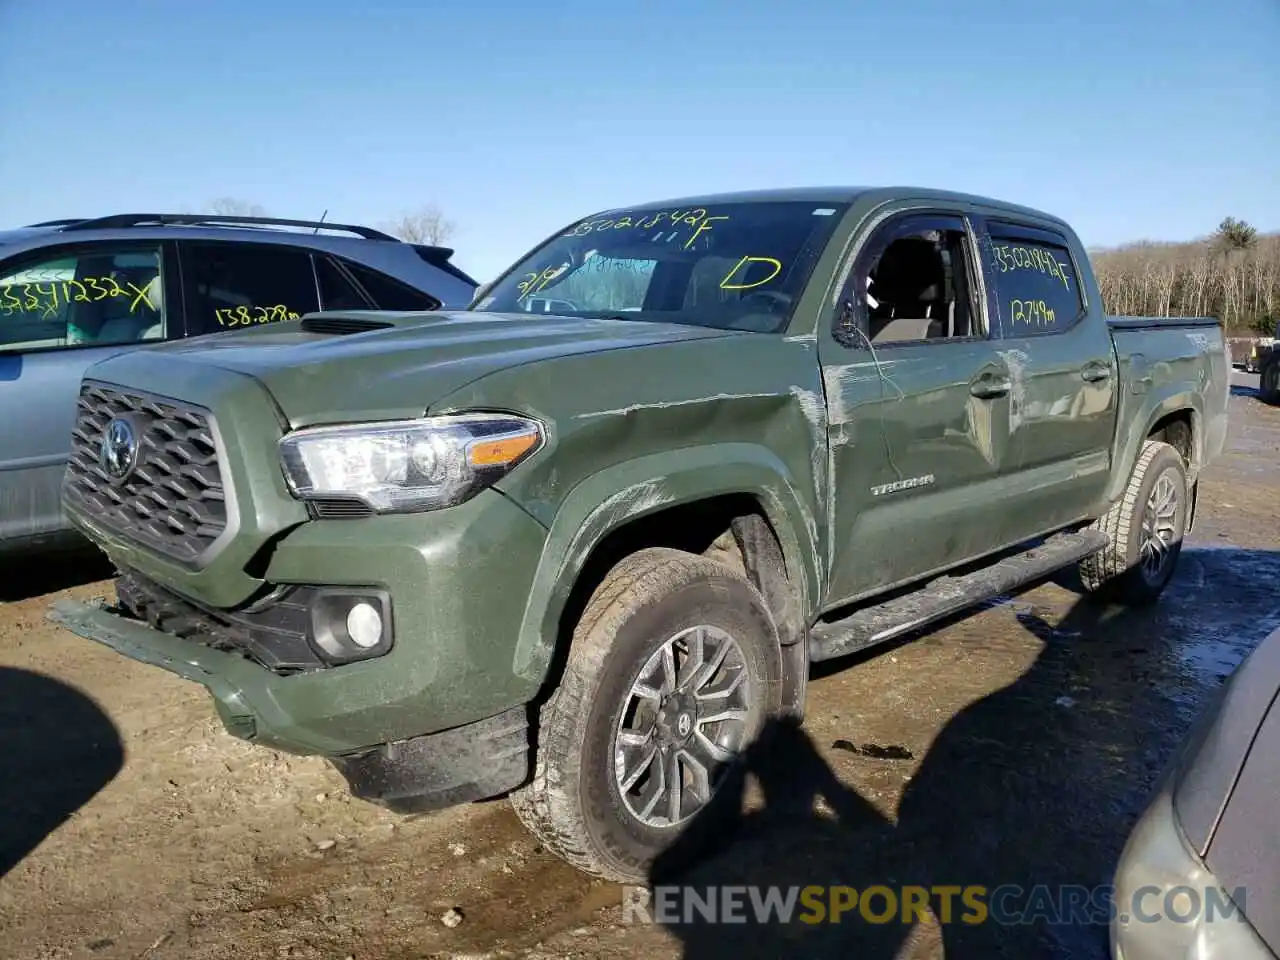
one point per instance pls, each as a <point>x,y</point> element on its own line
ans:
<point>1162,372</point>
<point>1159,323</point>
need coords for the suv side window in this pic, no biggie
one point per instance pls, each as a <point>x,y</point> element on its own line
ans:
<point>391,294</point>
<point>240,285</point>
<point>337,292</point>
<point>100,295</point>
<point>912,283</point>
<point>1034,284</point>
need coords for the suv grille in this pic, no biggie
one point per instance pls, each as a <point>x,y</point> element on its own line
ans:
<point>172,501</point>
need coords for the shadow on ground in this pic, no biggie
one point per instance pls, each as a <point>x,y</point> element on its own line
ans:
<point>1033,787</point>
<point>60,749</point>
<point>48,571</point>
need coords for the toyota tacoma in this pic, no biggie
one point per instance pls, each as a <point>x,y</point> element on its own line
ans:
<point>580,554</point>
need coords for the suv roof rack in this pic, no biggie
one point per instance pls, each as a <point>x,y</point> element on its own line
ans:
<point>195,219</point>
<point>57,223</point>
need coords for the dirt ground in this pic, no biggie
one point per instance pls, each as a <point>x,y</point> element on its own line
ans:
<point>1016,744</point>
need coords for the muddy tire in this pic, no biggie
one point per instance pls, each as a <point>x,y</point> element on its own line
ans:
<point>1269,383</point>
<point>1144,530</point>
<point>592,800</point>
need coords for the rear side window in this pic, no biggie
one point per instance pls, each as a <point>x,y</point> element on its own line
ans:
<point>244,285</point>
<point>101,295</point>
<point>336,290</point>
<point>391,294</point>
<point>1035,285</point>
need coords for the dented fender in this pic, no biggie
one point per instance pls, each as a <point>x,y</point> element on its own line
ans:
<point>604,501</point>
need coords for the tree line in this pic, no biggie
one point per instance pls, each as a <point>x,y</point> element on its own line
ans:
<point>1233,274</point>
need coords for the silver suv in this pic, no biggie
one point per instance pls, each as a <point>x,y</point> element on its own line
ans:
<point>73,292</point>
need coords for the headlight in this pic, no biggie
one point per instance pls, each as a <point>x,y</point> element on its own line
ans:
<point>409,465</point>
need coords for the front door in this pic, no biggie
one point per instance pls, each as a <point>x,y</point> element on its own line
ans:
<point>62,309</point>
<point>919,409</point>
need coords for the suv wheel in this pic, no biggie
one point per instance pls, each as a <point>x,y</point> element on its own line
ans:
<point>673,670</point>
<point>1144,530</point>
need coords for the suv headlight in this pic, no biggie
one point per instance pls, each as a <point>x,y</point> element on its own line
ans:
<point>409,465</point>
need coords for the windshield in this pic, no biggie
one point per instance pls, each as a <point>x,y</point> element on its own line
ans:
<point>737,266</point>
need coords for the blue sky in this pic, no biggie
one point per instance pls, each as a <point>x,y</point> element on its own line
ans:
<point>1131,118</point>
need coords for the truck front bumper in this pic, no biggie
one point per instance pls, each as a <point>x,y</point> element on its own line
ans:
<point>458,582</point>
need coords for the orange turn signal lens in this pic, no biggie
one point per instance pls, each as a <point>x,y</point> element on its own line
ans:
<point>501,450</point>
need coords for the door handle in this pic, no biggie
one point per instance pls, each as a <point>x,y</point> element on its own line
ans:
<point>1095,373</point>
<point>989,387</point>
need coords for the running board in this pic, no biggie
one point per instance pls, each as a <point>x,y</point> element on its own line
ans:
<point>948,595</point>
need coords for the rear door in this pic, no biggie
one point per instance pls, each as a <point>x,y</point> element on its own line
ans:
<point>918,408</point>
<point>63,308</point>
<point>231,285</point>
<point>1060,355</point>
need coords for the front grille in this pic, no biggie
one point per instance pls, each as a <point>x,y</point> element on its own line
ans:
<point>172,502</point>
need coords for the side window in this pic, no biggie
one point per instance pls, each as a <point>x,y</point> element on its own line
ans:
<point>242,285</point>
<point>912,284</point>
<point>391,294</point>
<point>101,295</point>
<point>1035,285</point>
<point>336,291</point>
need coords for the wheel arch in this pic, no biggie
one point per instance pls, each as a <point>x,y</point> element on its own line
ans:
<point>1175,416</point>
<point>734,502</point>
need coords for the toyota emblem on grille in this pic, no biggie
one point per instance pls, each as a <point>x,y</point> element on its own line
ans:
<point>119,452</point>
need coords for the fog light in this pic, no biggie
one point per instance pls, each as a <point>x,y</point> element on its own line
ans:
<point>351,623</point>
<point>364,625</point>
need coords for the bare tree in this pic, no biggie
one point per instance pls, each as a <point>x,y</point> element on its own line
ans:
<point>234,207</point>
<point>426,224</point>
<point>1233,274</point>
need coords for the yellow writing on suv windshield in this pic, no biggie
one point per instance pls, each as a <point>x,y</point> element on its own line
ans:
<point>46,299</point>
<point>246,316</point>
<point>663,226</point>
<point>1030,258</point>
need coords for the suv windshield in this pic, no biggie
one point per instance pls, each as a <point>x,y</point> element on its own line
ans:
<point>739,266</point>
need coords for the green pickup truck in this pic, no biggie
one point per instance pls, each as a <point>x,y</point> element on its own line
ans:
<point>581,557</point>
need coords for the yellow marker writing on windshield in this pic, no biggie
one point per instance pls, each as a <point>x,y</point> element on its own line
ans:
<point>726,285</point>
<point>703,227</point>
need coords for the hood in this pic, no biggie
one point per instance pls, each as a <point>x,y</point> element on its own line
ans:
<point>400,369</point>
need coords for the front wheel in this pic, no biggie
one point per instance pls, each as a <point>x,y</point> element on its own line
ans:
<point>1144,530</point>
<point>673,670</point>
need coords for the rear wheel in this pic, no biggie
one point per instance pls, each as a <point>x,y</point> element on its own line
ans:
<point>1144,530</point>
<point>673,670</point>
<point>1269,383</point>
